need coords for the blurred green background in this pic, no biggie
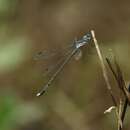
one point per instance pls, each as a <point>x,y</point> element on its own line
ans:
<point>78,97</point>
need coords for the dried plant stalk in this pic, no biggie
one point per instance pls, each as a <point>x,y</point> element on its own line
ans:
<point>122,86</point>
<point>119,78</point>
<point>121,82</point>
<point>103,68</point>
<point>120,122</point>
<point>124,108</point>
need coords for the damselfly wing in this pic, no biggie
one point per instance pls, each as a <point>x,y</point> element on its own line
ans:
<point>51,60</point>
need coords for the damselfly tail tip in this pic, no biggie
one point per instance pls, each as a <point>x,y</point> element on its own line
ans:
<point>38,94</point>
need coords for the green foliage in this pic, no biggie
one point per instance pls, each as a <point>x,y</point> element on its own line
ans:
<point>7,5</point>
<point>7,107</point>
<point>12,53</point>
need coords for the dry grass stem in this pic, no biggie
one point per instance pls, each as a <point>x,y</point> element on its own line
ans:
<point>119,78</point>
<point>120,123</point>
<point>123,89</point>
<point>103,67</point>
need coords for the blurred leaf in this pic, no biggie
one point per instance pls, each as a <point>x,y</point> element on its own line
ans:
<point>29,112</point>
<point>12,54</point>
<point>6,5</point>
<point>7,106</point>
<point>14,112</point>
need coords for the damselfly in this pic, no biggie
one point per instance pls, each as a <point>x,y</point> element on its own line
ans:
<point>73,50</point>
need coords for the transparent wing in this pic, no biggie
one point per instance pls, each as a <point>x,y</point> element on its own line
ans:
<point>50,69</point>
<point>51,60</point>
<point>46,55</point>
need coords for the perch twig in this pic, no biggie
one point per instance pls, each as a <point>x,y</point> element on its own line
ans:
<point>122,86</point>
<point>103,68</point>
